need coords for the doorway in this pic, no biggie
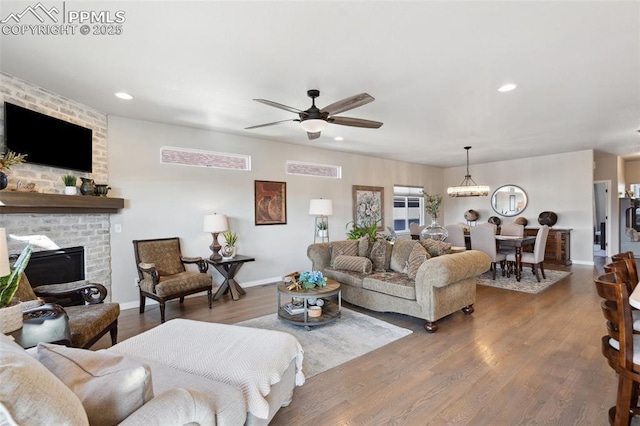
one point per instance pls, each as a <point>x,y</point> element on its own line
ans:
<point>601,202</point>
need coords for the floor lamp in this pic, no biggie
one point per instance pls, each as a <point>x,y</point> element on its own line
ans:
<point>215,224</point>
<point>321,209</point>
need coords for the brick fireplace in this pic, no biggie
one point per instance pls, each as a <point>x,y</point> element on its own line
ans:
<point>57,228</point>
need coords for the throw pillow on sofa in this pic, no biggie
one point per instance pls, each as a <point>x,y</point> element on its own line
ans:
<point>416,258</point>
<point>353,263</point>
<point>343,248</point>
<point>400,255</point>
<point>110,386</point>
<point>30,394</point>
<point>436,248</point>
<point>380,255</point>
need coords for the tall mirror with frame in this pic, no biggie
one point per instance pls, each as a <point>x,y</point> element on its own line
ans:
<point>509,200</point>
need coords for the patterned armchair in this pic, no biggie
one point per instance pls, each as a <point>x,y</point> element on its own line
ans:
<point>88,322</point>
<point>162,273</point>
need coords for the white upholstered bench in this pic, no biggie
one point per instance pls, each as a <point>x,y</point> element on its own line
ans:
<point>266,365</point>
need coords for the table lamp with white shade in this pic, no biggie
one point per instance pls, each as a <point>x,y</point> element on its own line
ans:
<point>321,209</point>
<point>215,223</point>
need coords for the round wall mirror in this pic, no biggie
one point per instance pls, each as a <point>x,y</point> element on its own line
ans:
<point>509,200</point>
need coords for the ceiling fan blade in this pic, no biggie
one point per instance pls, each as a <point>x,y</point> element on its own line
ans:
<point>314,135</point>
<point>348,103</point>
<point>270,124</point>
<point>355,122</point>
<point>277,105</point>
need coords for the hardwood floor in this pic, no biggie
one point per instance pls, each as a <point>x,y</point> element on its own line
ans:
<point>520,359</point>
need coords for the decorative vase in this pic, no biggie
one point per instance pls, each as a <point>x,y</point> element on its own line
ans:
<point>88,186</point>
<point>70,190</point>
<point>434,231</point>
<point>3,181</point>
<point>228,251</point>
<point>322,233</point>
<point>11,317</point>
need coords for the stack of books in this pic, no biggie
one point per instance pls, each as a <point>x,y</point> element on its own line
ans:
<point>293,310</point>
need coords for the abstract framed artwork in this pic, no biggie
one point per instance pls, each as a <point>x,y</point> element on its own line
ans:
<point>368,205</point>
<point>270,202</point>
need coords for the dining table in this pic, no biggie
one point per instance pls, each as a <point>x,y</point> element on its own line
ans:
<point>518,243</point>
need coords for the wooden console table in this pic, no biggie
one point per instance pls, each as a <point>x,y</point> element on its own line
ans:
<point>558,248</point>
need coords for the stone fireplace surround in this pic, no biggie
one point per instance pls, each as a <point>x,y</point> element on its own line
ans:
<point>49,230</point>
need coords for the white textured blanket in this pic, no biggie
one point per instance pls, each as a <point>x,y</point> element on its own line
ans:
<point>252,359</point>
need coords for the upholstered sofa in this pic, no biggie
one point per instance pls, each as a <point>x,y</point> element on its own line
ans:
<point>153,378</point>
<point>417,278</point>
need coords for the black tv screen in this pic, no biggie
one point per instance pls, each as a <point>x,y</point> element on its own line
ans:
<point>47,140</point>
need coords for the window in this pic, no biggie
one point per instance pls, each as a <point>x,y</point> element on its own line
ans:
<point>408,207</point>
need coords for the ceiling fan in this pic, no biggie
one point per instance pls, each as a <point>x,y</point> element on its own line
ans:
<point>314,120</point>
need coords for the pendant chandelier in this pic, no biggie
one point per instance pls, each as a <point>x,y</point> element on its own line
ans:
<point>468,187</point>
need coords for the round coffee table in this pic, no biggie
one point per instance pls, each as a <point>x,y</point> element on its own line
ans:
<point>330,311</point>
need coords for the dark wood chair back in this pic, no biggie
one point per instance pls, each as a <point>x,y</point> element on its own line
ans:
<point>629,258</point>
<point>621,268</point>
<point>618,345</point>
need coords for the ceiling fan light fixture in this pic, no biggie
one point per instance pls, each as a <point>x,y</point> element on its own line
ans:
<point>468,187</point>
<point>313,125</point>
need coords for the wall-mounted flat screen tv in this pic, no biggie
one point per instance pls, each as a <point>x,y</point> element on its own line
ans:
<point>47,140</point>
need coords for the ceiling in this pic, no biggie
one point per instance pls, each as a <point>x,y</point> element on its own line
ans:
<point>433,68</point>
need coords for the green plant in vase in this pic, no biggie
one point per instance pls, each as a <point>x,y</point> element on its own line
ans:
<point>9,284</point>
<point>230,237</point>
<point>228,249</point>
<point>69,180</point>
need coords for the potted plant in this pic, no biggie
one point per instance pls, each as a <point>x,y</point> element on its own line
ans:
<point>228,250</point>
<point>70,184</point>
<point>10,307</point>
<point>323,228</point>
<point>358,231</point>
<point>7,161</point>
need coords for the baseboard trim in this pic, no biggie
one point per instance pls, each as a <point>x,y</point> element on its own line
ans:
<point>244,284</point>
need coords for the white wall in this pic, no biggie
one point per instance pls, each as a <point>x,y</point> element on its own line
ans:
<point>561,183</point>
<point>170,200</point>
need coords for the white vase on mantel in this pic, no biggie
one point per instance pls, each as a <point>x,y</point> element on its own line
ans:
<point>70,190</point>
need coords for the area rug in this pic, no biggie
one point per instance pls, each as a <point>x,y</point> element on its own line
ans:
<point>329,345</point>
<point>528,283</point>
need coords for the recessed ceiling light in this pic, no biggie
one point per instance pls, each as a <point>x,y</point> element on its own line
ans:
<point>507,87</point>
<point>123,95</point>
<point>338,138</point>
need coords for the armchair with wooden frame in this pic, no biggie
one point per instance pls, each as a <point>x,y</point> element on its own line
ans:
<point>163,276</point>
<point>87,322</point>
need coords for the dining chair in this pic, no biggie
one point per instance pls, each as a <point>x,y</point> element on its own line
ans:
<point>536,258</point>
<point>414,230</point>
<point>393,234</point>
<point>629,258</point>
<point>510,230</point>
<point>483,238</point>
<point>489,225</point>
<point>620,346</point>
<point>455,235</point>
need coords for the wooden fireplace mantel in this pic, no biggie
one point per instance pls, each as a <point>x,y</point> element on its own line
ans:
<point>35,202</point>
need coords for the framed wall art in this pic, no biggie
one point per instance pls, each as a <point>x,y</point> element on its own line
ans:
<point>368,205</point>
<point>270,202</point>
